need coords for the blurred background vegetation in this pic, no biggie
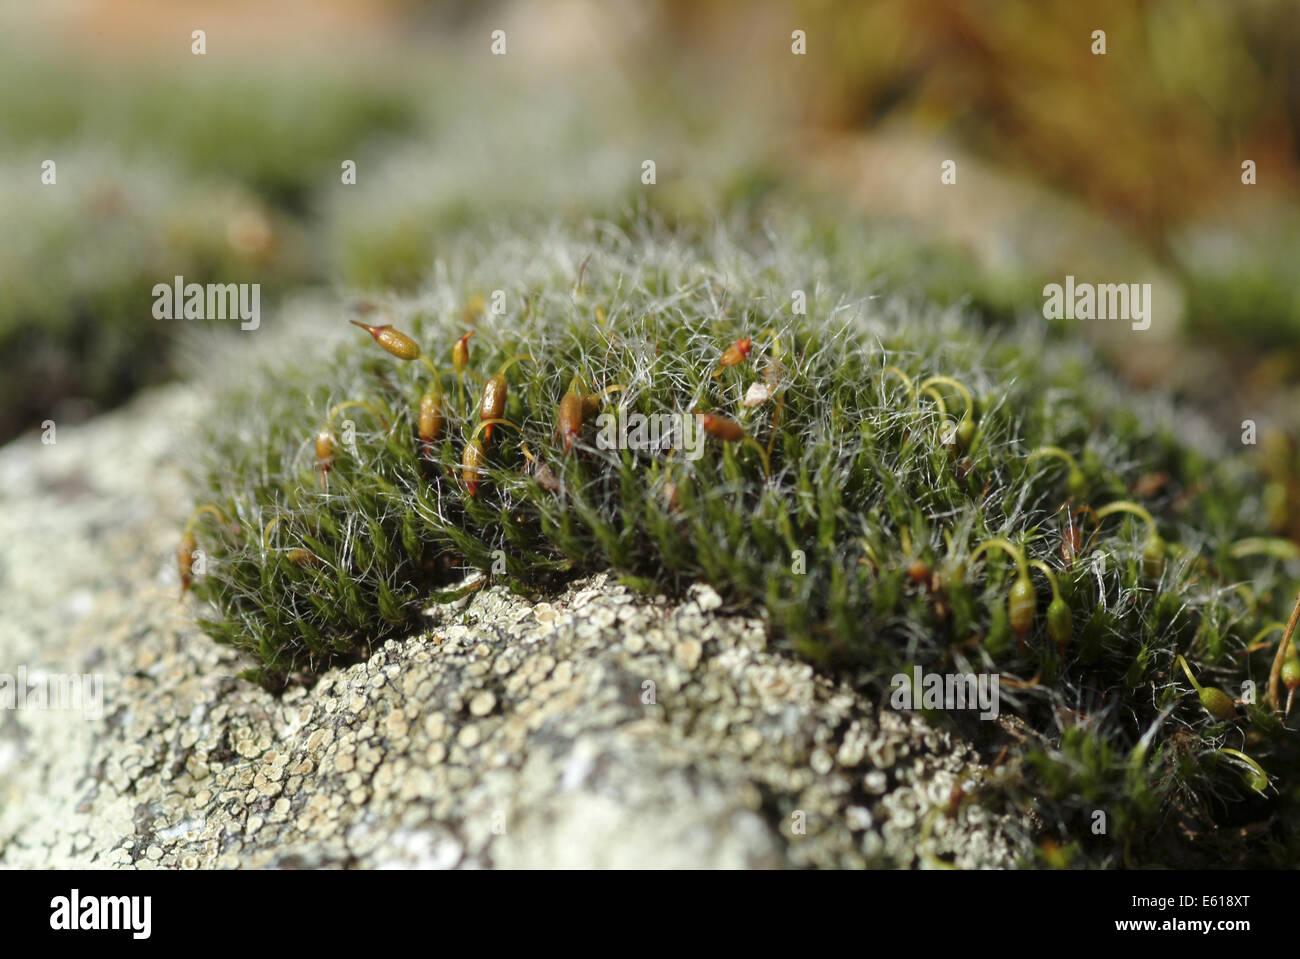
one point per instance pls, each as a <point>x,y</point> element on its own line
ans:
<point>1125,167</point>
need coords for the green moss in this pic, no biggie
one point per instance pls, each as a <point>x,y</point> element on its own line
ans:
<point>862,487</point>
<point>80,262</point>
<point>161,172</point>
<point>280,129</point>
<point>1241,283</point>
<point>536,150</point>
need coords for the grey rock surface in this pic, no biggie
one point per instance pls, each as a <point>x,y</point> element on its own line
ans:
<point>599,728</point>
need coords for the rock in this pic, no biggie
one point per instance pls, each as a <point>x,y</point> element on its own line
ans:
<point>596,729</point>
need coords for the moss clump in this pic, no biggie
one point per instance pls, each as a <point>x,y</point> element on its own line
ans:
<point>860,458</point>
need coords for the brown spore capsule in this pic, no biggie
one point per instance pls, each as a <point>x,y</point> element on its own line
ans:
<point>722,427</point>
<point>570,416</point>
<point>460,353</point>
<point>495,392</point>
<point>672,498</point>
<point>547,479</point>
<point>392,339</point>
<point>736,353</point>
<point>431,418</point>
<point>471,465</point>
<point>325,447</point>
<point>1071,541</point>
<point>185,559</point>
<point>918,571</point>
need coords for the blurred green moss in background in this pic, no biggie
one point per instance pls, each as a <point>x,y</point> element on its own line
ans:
<point>79,263</point>
<point>1126,164</point>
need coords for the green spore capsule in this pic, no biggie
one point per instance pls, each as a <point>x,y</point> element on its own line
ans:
<point>1218,704</point>
<point>1060,623</point>
<point>1022,603</point>
<point>1155,549</point>
<point>1291,673</point>
<point>1215,701</point>
<point>1021,606</point>
<point>1291,680</point>
<point>998,638</point>
<point>1076,484</point>
<point>1153,557</point>
<point>965,432</point>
